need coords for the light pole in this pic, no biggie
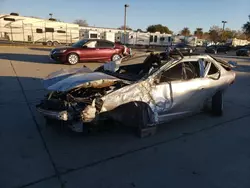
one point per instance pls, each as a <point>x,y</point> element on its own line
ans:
<point>125,19</point>
<point>249,17</point>
<point>50,15</point>
<point>224,22</point>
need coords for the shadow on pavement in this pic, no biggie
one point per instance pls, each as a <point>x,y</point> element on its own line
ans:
<point>242,68</point>
<point>27,58</point>
<point>41,49</point>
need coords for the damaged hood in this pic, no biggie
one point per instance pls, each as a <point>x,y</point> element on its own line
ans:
<point>65,80</point>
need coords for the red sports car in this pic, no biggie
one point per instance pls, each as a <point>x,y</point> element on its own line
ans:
<point>90,50</point>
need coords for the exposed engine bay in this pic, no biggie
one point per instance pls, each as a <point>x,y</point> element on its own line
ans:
<point>77,99</point>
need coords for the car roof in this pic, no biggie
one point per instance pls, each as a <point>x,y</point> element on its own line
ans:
<point>98,40</point>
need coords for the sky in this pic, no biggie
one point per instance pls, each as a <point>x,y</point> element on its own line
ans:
<point>175,14</point>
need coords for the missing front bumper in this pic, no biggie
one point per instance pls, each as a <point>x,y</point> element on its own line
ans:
<point>61,116</point>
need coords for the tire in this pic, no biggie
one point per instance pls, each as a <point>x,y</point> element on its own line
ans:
<point>115,57</point>
<point>55,43</point>
<point>49,43</point>
<point>72,59</point>
<point>217,103</point>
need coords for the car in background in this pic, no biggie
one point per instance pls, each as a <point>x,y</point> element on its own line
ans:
<point>214,49</point>
<point>245,51</point>
<point>90,50</point>
<point>183,48</point>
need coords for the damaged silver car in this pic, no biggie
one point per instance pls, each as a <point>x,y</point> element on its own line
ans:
<point>141,95</point>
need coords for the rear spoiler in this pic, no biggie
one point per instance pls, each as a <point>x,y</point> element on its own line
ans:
<point>226,64</point>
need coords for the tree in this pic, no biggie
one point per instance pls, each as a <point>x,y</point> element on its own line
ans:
<point>206,36</point>
<point>139,30</point>
<point>159,28</point>
<point>214,33</point>
<point>127,28</point>
<point>81,22</point>
<point>227,34</point>
<point>198,33</point>
<point>185,31</point>
<point>246,29</point>
<point>241,35</point>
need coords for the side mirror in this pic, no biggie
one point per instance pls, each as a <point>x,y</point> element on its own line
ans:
<point>84,46</point>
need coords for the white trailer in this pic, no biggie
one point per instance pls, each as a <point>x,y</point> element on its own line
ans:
<point>35,30</point>
<point>110,36</point>
<point>237,42</point>
<point>89,34</point>
<point>144,39</point>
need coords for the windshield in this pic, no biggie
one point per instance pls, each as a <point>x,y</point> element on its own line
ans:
<point>80,43</point>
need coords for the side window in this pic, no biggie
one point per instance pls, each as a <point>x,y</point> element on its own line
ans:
<point>49,30</point>
<point>39,30</point>
<point>91,44</point>
<point>105,44</point>
<point>151,38</point>
<point>93,36</point>
<point>191,70</point>
<point>155,39</point>
<point>213,69</point>
<point>173,74</point>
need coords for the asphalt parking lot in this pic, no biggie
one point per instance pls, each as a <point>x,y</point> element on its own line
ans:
<point>198,151</point>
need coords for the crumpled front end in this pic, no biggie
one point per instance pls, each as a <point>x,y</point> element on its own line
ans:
<point>76,97</point>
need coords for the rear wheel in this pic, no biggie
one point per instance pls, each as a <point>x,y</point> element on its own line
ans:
<point>55,43</point>
<point>49,43</point>
<point>217,103</point>
<point>73,59</point>
<point>115,57</point>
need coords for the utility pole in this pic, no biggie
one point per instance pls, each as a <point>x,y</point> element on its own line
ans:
<point>224,22</point>
<point>222,36</point>
<point>125,19</point>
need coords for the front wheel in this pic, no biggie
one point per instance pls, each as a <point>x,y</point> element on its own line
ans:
<point>49,43</point>
<point>73,59</point>
<point>217,103</point>
<point>115,57</point>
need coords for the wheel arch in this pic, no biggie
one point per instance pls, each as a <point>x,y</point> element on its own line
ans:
<point>133,113</point>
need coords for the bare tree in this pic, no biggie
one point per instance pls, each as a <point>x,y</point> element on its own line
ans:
<point>81,22</point>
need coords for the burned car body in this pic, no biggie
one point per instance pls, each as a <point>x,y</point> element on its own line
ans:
<point>141,95</point>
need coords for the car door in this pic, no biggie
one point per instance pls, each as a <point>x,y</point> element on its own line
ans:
<point>210,79</point>
<point>181,93</point>
<point>89,51</point>
<point>105,49</point>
